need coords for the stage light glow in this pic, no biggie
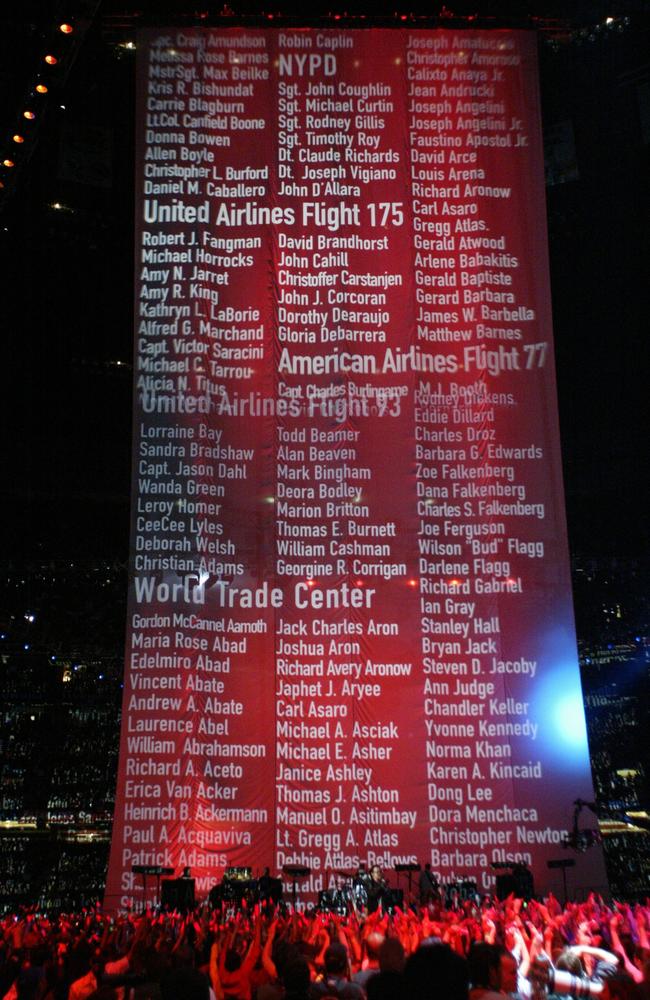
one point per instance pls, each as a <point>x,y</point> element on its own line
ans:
<point>569,719</point>
<point>41,88</point>
<point>8,163</point>
<point>29,115</point>
<point>66,29</point>
<point>558,701</point>
<point>18,138</point>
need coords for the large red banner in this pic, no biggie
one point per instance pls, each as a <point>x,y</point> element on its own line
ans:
<point>350,632</point>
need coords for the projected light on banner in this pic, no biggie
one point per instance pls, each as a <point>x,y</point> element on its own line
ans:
<point>350,634</point>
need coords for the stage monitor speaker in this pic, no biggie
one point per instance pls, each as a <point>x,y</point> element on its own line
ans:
<point>178,893</point>
<point>519,882</point>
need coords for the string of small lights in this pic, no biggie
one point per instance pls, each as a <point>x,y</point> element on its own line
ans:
<point>59,48</point>
<point>555,31</point>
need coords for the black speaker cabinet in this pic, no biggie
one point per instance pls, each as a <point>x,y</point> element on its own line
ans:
<point>177,893</point>
<point>519,882</point>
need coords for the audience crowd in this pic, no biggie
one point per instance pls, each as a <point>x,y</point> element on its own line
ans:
<point>479,950</point>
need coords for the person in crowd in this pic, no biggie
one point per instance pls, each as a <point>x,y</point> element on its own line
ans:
<point>370,965</point>
<point>492,971</point>
<point>296,980</point>
<point>377,890</point>
<point>427,885</point>
<point>387,984</point>
<point>85,972</point>
<point>336,979</point>
<point>184,984</point>
<point>434,971</point>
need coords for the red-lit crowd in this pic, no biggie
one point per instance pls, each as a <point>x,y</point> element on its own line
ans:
<point>485,950</point>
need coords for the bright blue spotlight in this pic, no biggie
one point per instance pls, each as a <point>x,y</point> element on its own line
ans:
<point>568,719</point>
